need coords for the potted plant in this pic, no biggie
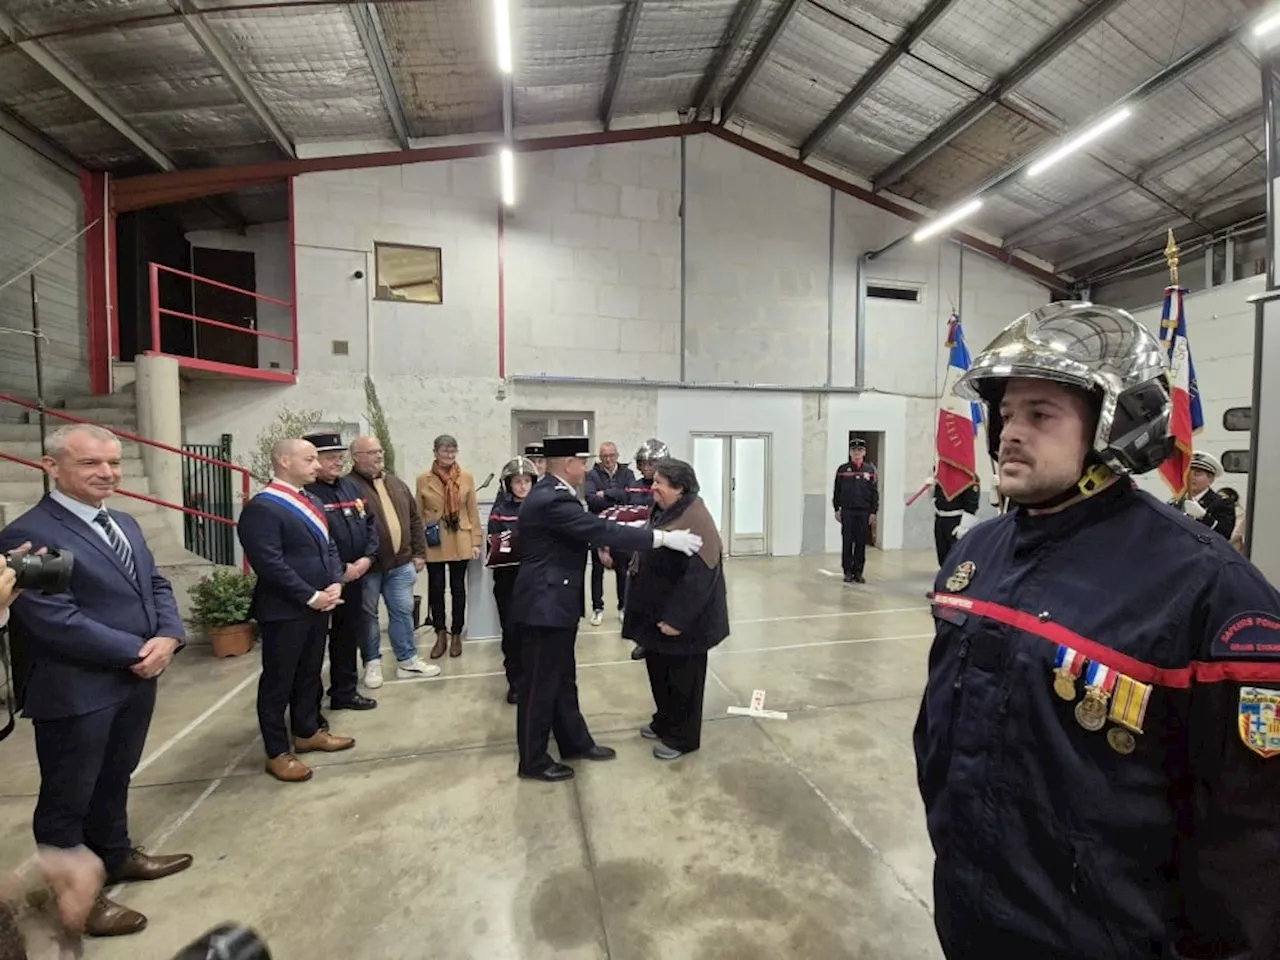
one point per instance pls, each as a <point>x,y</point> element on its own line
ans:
<point>220,603</point>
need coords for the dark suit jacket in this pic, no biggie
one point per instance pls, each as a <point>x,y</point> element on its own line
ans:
<point>287,557</point>
<point>85,640</point>
<point>555,532</point>
<point>1220,513</point>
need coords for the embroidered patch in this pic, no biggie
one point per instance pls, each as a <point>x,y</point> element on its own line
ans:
<point>962,576</point>
<point>1248,636</point>
<point>1259,724</point>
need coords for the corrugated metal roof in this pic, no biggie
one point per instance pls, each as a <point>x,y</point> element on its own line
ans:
<point>308,65</point>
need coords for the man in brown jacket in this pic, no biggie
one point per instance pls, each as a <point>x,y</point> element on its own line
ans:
<point>402,553</point>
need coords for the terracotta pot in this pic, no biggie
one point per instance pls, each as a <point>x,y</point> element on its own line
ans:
<point>233,641</point>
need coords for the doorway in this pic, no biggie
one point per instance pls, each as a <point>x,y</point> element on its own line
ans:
<point>875,449</point>
<point>733,472</point>
<point>235,268</point>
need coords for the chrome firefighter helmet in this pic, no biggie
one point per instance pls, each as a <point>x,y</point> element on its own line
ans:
<point>1206,462</point>
<point>1101,350</point>
<point>515,467</point>
<point>652,449</point>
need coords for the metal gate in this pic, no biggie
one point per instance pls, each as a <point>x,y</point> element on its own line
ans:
<point>207,487</point>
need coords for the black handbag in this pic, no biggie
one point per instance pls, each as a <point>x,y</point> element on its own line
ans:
<point>432,531</point>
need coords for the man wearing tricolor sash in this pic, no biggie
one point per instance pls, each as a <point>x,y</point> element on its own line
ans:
<point>299,581</point>
<point>1098,748</point>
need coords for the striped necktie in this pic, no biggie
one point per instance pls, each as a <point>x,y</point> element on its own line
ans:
<point>118,543</point>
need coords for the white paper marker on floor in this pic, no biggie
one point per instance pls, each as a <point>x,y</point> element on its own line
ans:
<point>757,709</point>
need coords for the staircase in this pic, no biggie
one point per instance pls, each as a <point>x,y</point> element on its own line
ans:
<point>22,487</point>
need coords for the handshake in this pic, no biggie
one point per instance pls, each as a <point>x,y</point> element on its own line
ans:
<point>326,599</point>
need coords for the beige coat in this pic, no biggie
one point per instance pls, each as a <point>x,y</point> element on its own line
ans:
<point>457,544</point>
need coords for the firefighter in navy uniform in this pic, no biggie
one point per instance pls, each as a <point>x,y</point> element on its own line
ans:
<point>555,531</point>
<point>355,533</point>
<point>856,501</point>
<point>948,516</point>
<point>1202,502</point>
<point>518,477</point>
<point>1098,748</point>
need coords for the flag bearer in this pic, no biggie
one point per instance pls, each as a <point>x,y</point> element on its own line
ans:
<point>1098,749</point>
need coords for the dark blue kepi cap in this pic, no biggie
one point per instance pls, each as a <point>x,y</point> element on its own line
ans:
<point>566,447</point>
<point>533,450</point>
<point>325,442</point>
<point>856,441</point>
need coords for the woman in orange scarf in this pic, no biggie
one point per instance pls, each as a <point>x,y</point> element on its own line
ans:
<point>447,501</point>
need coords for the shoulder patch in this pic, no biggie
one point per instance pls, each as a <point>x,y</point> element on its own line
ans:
<point>1258,720</point>
<point>565,487</point>
<point>1248,636</point>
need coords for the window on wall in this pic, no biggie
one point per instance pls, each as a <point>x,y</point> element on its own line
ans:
<point>408,274</point>
<point>902,292</point>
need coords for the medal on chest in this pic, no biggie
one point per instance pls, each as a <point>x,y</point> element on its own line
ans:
<point>1091,712</point>
<point>1066,670</point>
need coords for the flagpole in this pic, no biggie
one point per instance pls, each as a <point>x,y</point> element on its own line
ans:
<point>1172,258</point>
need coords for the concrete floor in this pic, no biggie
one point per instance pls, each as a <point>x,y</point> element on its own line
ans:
<point>797,839</point>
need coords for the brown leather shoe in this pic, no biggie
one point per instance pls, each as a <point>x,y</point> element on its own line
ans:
<point>455,648</point>
<point>322,742</point>
<point>140,866</point>
<point>109,919</point>
<point>442,644</point>
<point>288,768</point>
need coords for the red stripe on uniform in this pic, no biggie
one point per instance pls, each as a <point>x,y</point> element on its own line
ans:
<point>1180,678</point>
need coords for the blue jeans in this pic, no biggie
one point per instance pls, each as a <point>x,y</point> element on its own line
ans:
<point>396,587</point>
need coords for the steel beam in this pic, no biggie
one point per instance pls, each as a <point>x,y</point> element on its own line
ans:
<point>974,111</point>
<point>53,66</point>
<point>888,60</point>
<point>212,46</point>
<point>758,56</point>
<point>618,75</point>
<point>746,12</point>
<point>374,40</point>
<point>1178,156</point>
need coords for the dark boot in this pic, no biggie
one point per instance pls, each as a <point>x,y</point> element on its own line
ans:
<point>455,648</point>
<point>442,644</point>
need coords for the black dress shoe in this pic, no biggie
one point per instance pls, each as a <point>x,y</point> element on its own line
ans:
<point>552,774</point>
<point>597,752</point>
<point>513,695</point>
<point>859,578</point>
<point>354,702</point>
<point>637,652</point>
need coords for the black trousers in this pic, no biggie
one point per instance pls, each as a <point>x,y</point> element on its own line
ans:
<point>346,630</point>
<point>504,585</point>
<point>944,538</point>
<point>549,697</point>
<point>855,529</point>
<point>677,682</point>
<point>620,561</point>
<point>292,657</point>
<point>457,591</point>
<point>85,765</point>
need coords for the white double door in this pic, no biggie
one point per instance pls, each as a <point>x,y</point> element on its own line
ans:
<point>733,472</point>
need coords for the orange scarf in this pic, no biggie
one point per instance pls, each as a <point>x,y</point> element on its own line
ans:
<point>449,477</point>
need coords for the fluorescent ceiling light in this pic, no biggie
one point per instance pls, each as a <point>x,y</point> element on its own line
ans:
<point>1081,139</point>
<point>507,164</point>
<point>1266,25</point>
<point>946,220</point>
<point>502,20</point>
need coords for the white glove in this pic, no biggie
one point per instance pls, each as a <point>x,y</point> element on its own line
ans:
<point>682,540</point>
<point>967,523</point>
<point>1193,509</point>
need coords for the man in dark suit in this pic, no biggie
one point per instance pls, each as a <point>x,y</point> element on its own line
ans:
<point>96,652</point>
<point>286,539</point>
<point>555,532</point>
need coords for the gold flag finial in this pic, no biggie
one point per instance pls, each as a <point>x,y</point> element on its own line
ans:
<point>1171,257</point>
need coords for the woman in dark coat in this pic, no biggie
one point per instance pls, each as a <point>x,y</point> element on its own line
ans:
<point>677,611</point>
<point>518,478</point>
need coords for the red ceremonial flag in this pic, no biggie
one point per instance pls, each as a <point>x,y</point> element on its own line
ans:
<point>957,422</point>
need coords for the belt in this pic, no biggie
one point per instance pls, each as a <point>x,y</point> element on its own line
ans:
<point>949,513</point>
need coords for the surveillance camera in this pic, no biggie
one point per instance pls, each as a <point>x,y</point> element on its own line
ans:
<point>358,275</point>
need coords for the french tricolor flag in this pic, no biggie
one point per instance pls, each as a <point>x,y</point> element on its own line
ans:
<point>957,422</point>
<point>1188,417</point>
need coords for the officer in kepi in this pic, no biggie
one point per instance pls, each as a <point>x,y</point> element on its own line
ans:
<point>1098,749</point>
<point>1202,502</point>
<point>856,500</point>
<point>533,452</point>
<point>355,533</point>
<point>555,533</point>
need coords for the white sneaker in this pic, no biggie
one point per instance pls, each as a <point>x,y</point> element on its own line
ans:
<point>373,674</point>
<point>597,617</point>
<point>414,669</point>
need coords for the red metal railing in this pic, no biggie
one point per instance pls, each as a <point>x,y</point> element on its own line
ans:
<point>135,438</point>
<point>157,311</point>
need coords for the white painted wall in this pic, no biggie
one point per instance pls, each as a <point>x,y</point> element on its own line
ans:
<point>273,271</point>
<point>1220,324</point>
<point>874,414</point>
<point>593,259</point>
<point>682,413</point>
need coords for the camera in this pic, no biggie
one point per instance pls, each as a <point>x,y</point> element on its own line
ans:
<point>48,572</point>
<point>227,942</point>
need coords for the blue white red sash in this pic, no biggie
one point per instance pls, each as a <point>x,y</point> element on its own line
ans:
<point>301,506</point>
